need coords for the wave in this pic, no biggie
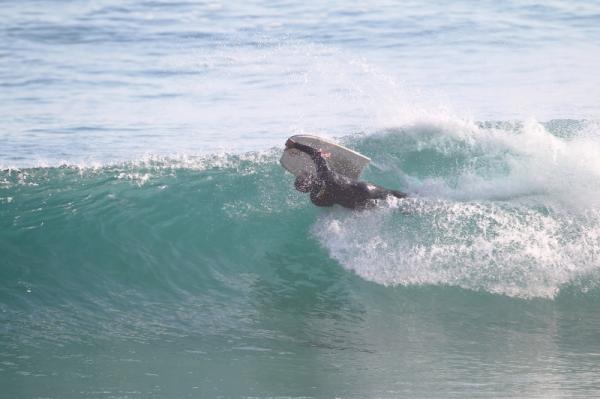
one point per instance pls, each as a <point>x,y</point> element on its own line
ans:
<point>507,208</point>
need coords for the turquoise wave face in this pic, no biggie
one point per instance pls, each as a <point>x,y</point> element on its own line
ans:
<point>89,243</point>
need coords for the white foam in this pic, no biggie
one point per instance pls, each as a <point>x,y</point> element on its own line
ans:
<point>499,248</point>
<point>520,217</point>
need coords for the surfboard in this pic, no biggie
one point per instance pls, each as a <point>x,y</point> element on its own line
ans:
<point>342,160</point>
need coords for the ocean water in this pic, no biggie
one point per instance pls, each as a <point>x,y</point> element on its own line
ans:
<point>152,247</point>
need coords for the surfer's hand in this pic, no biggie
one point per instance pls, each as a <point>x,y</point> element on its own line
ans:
<point>290,143</point>
<point>324,154</point>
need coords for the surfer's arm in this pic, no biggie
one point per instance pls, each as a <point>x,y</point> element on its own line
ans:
<point>302,147</point>
<point>316,155</point>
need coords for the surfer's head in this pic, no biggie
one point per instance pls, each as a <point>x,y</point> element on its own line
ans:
<point>304,182</point>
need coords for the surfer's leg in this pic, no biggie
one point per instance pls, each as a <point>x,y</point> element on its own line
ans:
<point>375,192</point>
<point>365,195</point>
<point>397,194</point>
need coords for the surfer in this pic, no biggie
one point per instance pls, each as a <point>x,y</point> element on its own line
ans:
<point>328,187</point>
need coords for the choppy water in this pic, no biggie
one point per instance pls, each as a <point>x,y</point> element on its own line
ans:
<point>152,246</point>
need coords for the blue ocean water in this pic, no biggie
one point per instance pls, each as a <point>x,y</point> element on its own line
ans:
<point>152,246</point>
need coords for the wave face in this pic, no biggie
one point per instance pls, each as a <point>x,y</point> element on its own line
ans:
<point>507,208</point>
<point>218,258</point>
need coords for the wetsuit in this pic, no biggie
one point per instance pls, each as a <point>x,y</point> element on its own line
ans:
<point>333,188</point>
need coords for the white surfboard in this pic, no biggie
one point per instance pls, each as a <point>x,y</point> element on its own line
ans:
<point>342,160</point>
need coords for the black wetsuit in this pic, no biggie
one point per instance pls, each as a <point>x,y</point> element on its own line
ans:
<point>332,188</point>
